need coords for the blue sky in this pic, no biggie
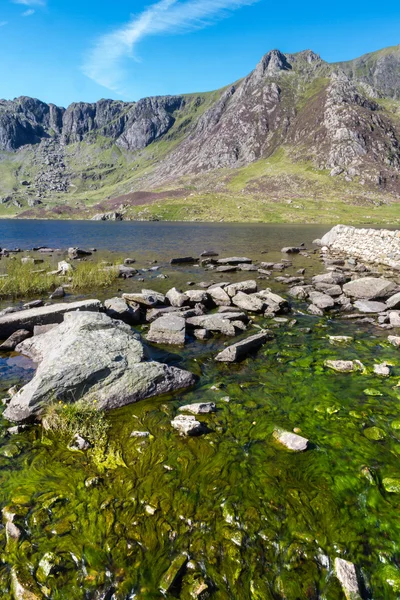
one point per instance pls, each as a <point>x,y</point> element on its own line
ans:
<point>82,50</point>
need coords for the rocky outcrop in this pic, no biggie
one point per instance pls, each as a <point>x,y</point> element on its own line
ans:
<point>91,358</point>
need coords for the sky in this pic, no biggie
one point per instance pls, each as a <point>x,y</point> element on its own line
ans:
<point>65,51</point>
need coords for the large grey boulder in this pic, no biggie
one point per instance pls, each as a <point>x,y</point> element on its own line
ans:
<point>241,349</point>
<point>168,329</point>
<point>91,358</point>
<point>118,308</point>
<point>44,315</point>
<point>369,288</point>
<point>219,296</point>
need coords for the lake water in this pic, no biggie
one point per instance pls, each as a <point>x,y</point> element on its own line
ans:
<point>161,238</point>
<point>257,521</point>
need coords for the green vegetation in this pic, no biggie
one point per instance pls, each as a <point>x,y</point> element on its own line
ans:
<point>70,419</point>
<point>21,280</point>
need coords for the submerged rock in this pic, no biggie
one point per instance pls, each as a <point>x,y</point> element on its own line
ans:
<point>344,366</point>
<point>91,357</point>
<point>201,408</point>
<point>292,441</point>
<point>241,349</point>
<point>188,425</point>
<point>346,573</point>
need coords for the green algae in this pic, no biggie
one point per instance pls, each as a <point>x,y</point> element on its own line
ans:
<point>254,522</point>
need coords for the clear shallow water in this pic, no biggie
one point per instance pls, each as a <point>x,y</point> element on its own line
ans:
<point>258,521</point>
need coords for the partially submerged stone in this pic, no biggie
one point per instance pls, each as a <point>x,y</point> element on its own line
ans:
<point>346,573</point>
<point>234,260</point>
<point>173,572</point>
<point>248,287</point>
<point>394,340</point>
<point>241,349</point>
<point>383,370</point>
<point>250,302</point>
<point>90,357</point>
<point>176,298</point>
<point>15,338</point>
<point>188,425</point>
<point>321,300</point>
<point>344,366</point>
<point>292,441</point>
<point>340,339</point>
<point>200,408</point>
<point>168,329</point>
<point>148,298</point>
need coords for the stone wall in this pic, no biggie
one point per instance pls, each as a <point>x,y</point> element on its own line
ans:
<point>378,246</point>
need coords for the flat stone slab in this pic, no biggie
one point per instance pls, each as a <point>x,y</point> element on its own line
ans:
<point>243,348</point>
<point>201,408</point>
<point>369,288</point>
<point>250,302</point>
<point>248,287</point>
<point>94,359</point>
<point>234,260</point>
<point>168,329</point>
<point>393,301</point>
<point>292,441</point>
<point>44,315</point>
<point>370,306</point>
<point>15,338</point>
<point>148,298</point>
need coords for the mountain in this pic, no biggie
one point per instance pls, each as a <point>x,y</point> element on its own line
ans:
<point>297,139</point>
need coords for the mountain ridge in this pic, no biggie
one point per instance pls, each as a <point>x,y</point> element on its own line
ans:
<point>339,119</point>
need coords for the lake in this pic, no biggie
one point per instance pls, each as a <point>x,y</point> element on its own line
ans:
<point>230,515</point>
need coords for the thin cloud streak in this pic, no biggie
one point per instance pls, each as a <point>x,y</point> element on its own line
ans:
<point>28,12</point>
<point>103,64</point>
<point>3,23</point>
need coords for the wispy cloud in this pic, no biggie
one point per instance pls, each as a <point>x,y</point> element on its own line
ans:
<point>3,23</point>
<point>28,12</point>
<point>103,63</point>
<point>30,2</point>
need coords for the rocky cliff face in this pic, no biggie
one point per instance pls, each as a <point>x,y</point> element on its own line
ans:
<point>329,114</point>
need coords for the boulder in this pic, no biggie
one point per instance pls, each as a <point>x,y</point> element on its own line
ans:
<point>382,369</point>
<point>219,296</point>
<point>234,260</point>
<point>248,287</point>
<point>346,573</point>
<point>292,441</point>
<point>33,304</point>
<point>64,267</point>
<point>322,301</point>
<point>329,289</point>
<point>247,267</point>
<point>118,308</point>
<point>314,310</point>
<point>274,302</point>
<point>126,272</point>
<point>176,298</point>
<point>300,291</point>
<point>369,288</point>
<point>393,301</point>
<point>370,306</point>
<point>94,359</point>
<point>195,296</point>
<point>250,302</point>
<point>168,329</point>
<point>201,408</point>
<point>44,315</point>
<point>219,323</point>
<point>241,349</point>
<point>129,261</point>
<point>148,298</point>
<point>188,425</point>
<point>183,260</point>
<point>75,253</point>
<point>58,293</point>
<point>333,278</point>
<point>291,250</point>
<point>15,338</point>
